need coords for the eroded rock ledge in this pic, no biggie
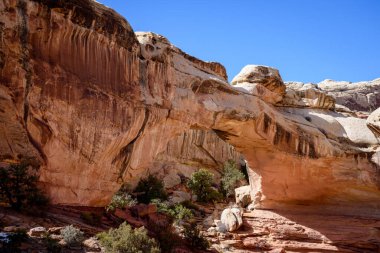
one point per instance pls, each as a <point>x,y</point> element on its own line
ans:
<point>98,103</point>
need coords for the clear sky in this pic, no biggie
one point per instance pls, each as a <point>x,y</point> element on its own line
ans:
<point>307,40</point>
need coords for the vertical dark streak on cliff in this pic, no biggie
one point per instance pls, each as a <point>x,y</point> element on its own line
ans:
<point>2,55</point>
<point>24,61</point>
<point>126,152</point>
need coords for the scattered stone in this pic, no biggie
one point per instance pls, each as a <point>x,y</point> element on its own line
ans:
<point>212,231</point>
<point>243,195</point>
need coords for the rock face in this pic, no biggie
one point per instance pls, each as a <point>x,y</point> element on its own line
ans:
<point>98,105</point>
<point>189,151</point>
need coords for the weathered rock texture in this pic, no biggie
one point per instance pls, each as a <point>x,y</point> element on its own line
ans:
<point>99,105</point>
<point>189,151</point>
<point>360,96</point>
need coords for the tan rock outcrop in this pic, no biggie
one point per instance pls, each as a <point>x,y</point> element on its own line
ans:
<point>301,95</point>
<point>359,96</point>
<point>264,82</point>
<point>99,104</point>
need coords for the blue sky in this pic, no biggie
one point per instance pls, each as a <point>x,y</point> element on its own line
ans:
<point>307,40</point>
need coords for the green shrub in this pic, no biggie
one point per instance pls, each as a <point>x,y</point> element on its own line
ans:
<point>91,218</point>
<point>231,176</point>
<point>18,185</point>
<point>200,183</point>
<point>121,200</point>
<point>150,188</point>
<point>72,235</point>
<point>194,237</point>
<point>125,239</point>
<point>177,212</point>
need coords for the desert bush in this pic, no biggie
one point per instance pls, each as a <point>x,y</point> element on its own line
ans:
<point>125,239</point>
<point>91,218</point>
<point>18,185</point>
<point>72,235</point>
<point>150,188</point>
<point>194,237</point>
<point>121,200</point>
<point>177,212</point>
<point>230,177</point>
<point>200,183</point>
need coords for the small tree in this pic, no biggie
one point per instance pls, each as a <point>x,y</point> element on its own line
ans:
<point>128,240</point>
<point>231,176</point>
<point>200,183</point>
<point>177,211</point>
<point>18,185</point>
<point>150,188</point>
<point>121,200</point>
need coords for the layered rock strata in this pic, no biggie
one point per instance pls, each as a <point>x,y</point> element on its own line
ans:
<point>98,104</point>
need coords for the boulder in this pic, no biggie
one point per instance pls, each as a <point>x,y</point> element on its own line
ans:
<point>243,195</point>
<point>179,197</point>
<point>262,81</point>
<point>232,218</point>
<point>37,232</point>
<point>171,180</point>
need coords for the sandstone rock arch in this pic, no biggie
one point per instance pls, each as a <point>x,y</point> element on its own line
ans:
<point>97,103</point>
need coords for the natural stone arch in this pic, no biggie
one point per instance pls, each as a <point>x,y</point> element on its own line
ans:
<point>111,109</point>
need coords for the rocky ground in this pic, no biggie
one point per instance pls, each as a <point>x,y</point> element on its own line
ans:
<point>262,230</point>
<point>289,231</point>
